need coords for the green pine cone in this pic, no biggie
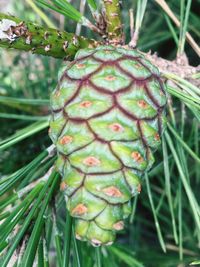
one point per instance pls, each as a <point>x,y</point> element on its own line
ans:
<point>107,118</point>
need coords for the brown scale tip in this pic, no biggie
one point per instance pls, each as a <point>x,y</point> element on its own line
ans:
<point>80,209</point>
<point>85,104</point>
<point>65,140</point>
<point>142,103</point>
<point>63,186</point>
<point>112,191</point>
<point>139,188</point>
<point>80,66</point>
<point>157,137</point>
<point>137,157</point>
<point>116,127</point>
<point>138,66</point>
<point>161,93</point>
<point>110,78</point>
<point>118,226</point>
<point>91,161</point>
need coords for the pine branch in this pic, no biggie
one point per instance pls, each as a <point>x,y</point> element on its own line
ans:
<point>17,34</point>
<point>179,67</point>
<point>113,21</point>
<point>14,33</point>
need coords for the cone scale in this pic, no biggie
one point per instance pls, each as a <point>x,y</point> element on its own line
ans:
<point>107,119</point>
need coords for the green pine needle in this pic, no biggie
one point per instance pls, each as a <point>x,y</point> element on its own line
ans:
<point>33,242</point>
<point>184,24</point>
<point>183,144</point>
<point>157,225</point>
<point>98,257</point>
<point>92,4</point>
<point>192,200</point>
<point>10,181</point>
<point>168,188</point>
<point>23,133</point>
<point>125,257</point>
<point>62,7</point>
<point>67,240</point>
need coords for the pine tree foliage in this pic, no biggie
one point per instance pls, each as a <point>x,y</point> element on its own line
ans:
<point>35,227</point>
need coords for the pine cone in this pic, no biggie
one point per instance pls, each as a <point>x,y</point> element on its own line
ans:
<point>107,118</point>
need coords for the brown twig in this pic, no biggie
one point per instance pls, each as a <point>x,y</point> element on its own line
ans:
<point>179,67</point>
